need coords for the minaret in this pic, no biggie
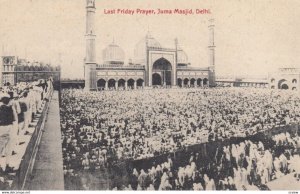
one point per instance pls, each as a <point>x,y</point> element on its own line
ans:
<point>211,50</point>
<point>148,79</point>
<point>90,59</point>
<point>175,84</point>
<point>176,48</point>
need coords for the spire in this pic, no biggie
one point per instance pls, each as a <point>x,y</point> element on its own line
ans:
<point>147,38</point>
<point>211,32</point>
<point>176,43</point>
<point>148,34</point>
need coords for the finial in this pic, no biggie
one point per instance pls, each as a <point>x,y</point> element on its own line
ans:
<point>90,3</point>
<point>148,32</point>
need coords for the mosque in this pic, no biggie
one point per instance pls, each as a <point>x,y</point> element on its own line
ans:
<point>152,65</point>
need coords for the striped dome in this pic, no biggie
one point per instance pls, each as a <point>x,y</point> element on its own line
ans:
<point>113,53</point>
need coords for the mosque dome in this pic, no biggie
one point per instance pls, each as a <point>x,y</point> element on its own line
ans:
<point>113,54</point>
<point>182,57</point>
<point>140,48</point>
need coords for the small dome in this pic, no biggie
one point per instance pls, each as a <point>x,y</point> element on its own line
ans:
<point>182,57</point>
<point>140,48</point>
<point>113,54</point>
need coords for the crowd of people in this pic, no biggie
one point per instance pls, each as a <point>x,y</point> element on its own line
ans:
<point>19,105</point>
<point>115,125</point>
<point>244,166</point>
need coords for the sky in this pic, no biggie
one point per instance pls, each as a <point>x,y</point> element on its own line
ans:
<point>252,37</point>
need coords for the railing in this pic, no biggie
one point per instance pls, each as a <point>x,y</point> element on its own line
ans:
<point>122,66</point>
<point>192,68</point>
<point>289,70</point>
<point>160,49</point>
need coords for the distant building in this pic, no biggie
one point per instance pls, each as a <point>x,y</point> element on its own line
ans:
<point>242,82</point>
<point>14,70</point>
<point>72,83</point>
<point>7,70</point>
<point>285,78</point>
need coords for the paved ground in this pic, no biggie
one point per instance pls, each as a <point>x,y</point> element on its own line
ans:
<point>47,172</point>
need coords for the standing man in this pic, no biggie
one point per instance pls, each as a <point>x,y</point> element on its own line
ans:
<point>6,127</point>
<point>14,102</point>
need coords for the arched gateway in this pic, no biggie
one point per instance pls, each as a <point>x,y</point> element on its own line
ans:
<point>162,72</point>
<point>101,84</point>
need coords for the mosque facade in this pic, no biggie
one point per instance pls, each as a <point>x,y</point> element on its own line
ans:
<point>152,66</point>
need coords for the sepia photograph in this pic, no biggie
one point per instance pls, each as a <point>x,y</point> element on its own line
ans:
<point>129,95</point>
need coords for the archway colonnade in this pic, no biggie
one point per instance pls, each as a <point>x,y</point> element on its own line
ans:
<point>128,84</point>
<point>120,84</point>
<point>192,82</point>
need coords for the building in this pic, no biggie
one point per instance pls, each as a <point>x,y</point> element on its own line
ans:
<point>232,81</point>
<point>14,69</point>
<point>285,78</point>
<point>153,65</point>
<point>71,83</point>
<point>7,70</point>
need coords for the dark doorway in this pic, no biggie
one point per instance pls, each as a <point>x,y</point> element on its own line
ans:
<point>140,82</point>
<point>185,82</point>
<point>111,83</point>
<point>164,67</point>
<point>101,84</point>
<point>193,81</point>
<point>199,82</point>
<point>156,79</point>
<point>130,83</point>
<point>284,87</point>
<point>179,82</point>
<point>205,82</point>
<point>121,83</point>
